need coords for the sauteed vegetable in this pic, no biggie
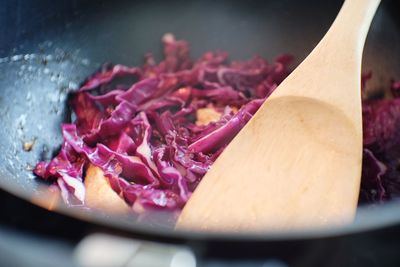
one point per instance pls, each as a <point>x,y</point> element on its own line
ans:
<point>155,130</point>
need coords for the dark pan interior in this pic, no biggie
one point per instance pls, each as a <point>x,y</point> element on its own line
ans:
<point>48,47</point>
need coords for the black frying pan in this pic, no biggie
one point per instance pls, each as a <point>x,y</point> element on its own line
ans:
<point>48,47</point>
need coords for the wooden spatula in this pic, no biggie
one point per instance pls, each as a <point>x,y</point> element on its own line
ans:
<point>297,163</point>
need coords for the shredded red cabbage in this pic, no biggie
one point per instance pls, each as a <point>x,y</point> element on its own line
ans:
<point>381,162</point>
<point>145,138</point>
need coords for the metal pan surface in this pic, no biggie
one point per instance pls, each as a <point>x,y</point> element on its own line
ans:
<point>47,48</point>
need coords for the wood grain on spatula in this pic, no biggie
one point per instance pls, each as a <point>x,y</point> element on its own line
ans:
<point>297,163</point>
<point>100,195</point>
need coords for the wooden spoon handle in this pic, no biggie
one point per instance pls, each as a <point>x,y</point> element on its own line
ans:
<point>352,23</point>
<point>342,48</point>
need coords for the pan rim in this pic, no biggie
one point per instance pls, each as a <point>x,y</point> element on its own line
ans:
<point>368,218</point>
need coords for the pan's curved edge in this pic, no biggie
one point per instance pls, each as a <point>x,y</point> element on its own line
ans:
<point>368,218</point>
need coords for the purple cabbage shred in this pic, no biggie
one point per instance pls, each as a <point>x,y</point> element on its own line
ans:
<point>146,139</point>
